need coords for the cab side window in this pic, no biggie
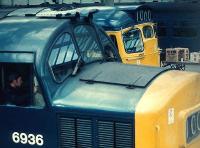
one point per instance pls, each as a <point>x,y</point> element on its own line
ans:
<point>148,32</point>
<point>19,86</point>
<point>62,57</point>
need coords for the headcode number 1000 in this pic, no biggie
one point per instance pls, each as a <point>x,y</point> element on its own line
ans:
<point>24,138</point>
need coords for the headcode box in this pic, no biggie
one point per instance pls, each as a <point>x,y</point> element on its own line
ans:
<point>195,57</point>
<point>177,54</point>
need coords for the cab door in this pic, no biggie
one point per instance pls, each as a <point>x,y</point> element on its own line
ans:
<point>30,125</point>
<point>133,47</point>
<point>151,51</point>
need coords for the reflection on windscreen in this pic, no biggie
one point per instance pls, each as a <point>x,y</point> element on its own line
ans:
<point>89,48</point>
<point>133,41</point>
<point>63,57</point>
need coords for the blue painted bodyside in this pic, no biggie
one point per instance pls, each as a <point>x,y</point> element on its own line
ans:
<point>98,97</point>
<point>72,103</point>
<point>27,34</point>
<point>30,121</point>
<point>116,18</point>
<point>27,40</point>
<point>177,15</point>
<point>102,87</point>
<point>113,19</point>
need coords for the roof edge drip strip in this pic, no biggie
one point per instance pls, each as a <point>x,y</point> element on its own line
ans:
<point>17,57</point>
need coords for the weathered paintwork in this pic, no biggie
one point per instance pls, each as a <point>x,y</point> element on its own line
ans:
<point>105,104</point>
<point>164,113</point>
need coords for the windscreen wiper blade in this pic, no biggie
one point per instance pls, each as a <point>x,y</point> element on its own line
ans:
<point>77,66</point>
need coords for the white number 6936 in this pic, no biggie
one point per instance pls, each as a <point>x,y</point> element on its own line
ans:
<point>24,138</point>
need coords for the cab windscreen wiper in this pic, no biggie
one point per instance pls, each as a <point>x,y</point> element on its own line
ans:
<point>77,66</point>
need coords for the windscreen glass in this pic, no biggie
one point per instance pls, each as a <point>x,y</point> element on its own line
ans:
<point>133,41</point>
<point>63,57</point>
<point>88,44</point>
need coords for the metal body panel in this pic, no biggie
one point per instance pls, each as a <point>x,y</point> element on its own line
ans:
<point>91,128</point>
<point>113,19</point>
<point>97,97</point>
<point>36,121</point>
<point>18,33</point>
<point>17,57</point>
<point>163,117</point>
<point>128,76</point>
<point>156,109</point>
<point>113,91</point>
<point>173,16</point>
<point>21,124</point>
<point>149,56</point>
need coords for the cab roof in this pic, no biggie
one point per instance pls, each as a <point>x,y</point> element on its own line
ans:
<point>108,17</point>
<point>108,86</point>
<point>117,18</point>
<point>23,27</point>
<point>27,34</point>
<point>113,19</point>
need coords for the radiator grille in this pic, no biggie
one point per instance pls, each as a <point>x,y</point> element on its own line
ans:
<point>67,133</point>
<point>123,135</point>
<point>85,133</point>
<point>115,135</point>
<point>75,133</point>
<point>105,134</point>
